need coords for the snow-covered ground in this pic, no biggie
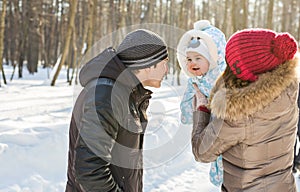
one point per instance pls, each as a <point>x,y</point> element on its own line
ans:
<point>34,121</point>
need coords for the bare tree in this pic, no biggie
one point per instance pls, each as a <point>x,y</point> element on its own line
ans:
<point>298,28</point>
<point>122,13</point>
<point>270,14</point>
<point>245,14</point>
<point>33,37</point>
<point>225,23</point>
<point>11,43</point>
<point>37,30</point>
<point>73,4</point>
<point>148,11</point>
<point>294,18</point>
<point>2,28</point>
<point>41,35</point>
<point>91,23</point>
<point>233,16</point>
<point>57,32</point>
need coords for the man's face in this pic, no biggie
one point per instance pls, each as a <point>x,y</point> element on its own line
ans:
<point>155,74</point>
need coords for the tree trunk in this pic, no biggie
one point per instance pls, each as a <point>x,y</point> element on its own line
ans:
<point>15,34</point>
<point>245,14</point>
<point>50,37</point>
<point>57,33</point>
<point>255,10</point>
<point>225,18</point>
<point>33,37</point>
<point>2,28</point>
<point>41,34</point>
<point>112,17</point>
<point>284,16</point>
<point>137,12</point>
<point>9,43</point>
<point>73,5</point>
<point>91,23</point>
<point>294,18</point>
<point>74,59</point>
<point>129,6</point>
<point>298,28</point>
<point>270,14</point>
<point>233,16</point>
<point>23,33</point>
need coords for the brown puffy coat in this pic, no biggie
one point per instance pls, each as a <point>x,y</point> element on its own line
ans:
<point>254,128</point>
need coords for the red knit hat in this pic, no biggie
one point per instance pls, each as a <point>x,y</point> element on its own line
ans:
<point>253,51</point>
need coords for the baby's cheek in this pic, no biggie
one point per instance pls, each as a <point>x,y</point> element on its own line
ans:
<point>189,68</point>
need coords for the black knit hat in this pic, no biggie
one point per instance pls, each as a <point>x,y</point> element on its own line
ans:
<point>141,49</point>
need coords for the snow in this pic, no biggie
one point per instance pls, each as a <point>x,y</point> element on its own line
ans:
<point>34,125</point>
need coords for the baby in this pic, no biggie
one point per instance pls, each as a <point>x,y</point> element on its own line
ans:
<point>201,55</point>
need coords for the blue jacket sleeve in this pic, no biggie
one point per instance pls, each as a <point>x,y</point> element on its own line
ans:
<point>186,105</point>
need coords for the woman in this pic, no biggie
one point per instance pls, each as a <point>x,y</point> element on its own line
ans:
<point>254,113</point>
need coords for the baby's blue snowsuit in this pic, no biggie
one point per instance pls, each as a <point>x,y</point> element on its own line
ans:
<point>205,84</point>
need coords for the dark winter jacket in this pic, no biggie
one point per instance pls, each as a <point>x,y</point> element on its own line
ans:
<point>107,128</point>
<point>254,128</point>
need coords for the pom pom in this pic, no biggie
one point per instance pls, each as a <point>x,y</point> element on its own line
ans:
<point>285,47</point>
<point>199,25</point>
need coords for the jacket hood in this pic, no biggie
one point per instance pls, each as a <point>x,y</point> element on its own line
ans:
<point>213,37</point>
<point>108,65</point>
<point>235,104</point>
<point>216,41</point>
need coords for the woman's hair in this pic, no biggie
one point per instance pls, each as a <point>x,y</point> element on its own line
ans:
<point>231,81</point>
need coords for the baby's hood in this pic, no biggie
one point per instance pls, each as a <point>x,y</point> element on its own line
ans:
<point>215,40</point>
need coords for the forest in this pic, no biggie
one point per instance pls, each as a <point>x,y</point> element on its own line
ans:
<point>67,33</point>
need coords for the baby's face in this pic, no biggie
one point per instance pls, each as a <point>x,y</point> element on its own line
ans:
<point>196,63</point>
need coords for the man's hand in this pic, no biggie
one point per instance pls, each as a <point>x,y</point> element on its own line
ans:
<point>199,98</point>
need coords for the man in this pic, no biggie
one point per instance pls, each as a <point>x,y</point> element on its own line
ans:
<point>109,117</point>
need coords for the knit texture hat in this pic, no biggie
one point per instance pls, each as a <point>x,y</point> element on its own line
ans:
<point>141,49</point>
<point>251,52</point>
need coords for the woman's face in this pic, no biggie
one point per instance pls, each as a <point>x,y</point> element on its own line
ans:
<point>196,63</point>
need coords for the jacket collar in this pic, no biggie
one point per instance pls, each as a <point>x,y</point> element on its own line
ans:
<point>234,104</point>
<point>140,94</point>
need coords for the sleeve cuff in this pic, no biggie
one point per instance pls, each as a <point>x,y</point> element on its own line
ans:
<point>203,108</point>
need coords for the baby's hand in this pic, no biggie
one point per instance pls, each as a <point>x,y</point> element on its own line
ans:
<point>199,98</point>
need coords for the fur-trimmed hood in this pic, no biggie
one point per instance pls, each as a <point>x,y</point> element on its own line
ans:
<point>235,104</point>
